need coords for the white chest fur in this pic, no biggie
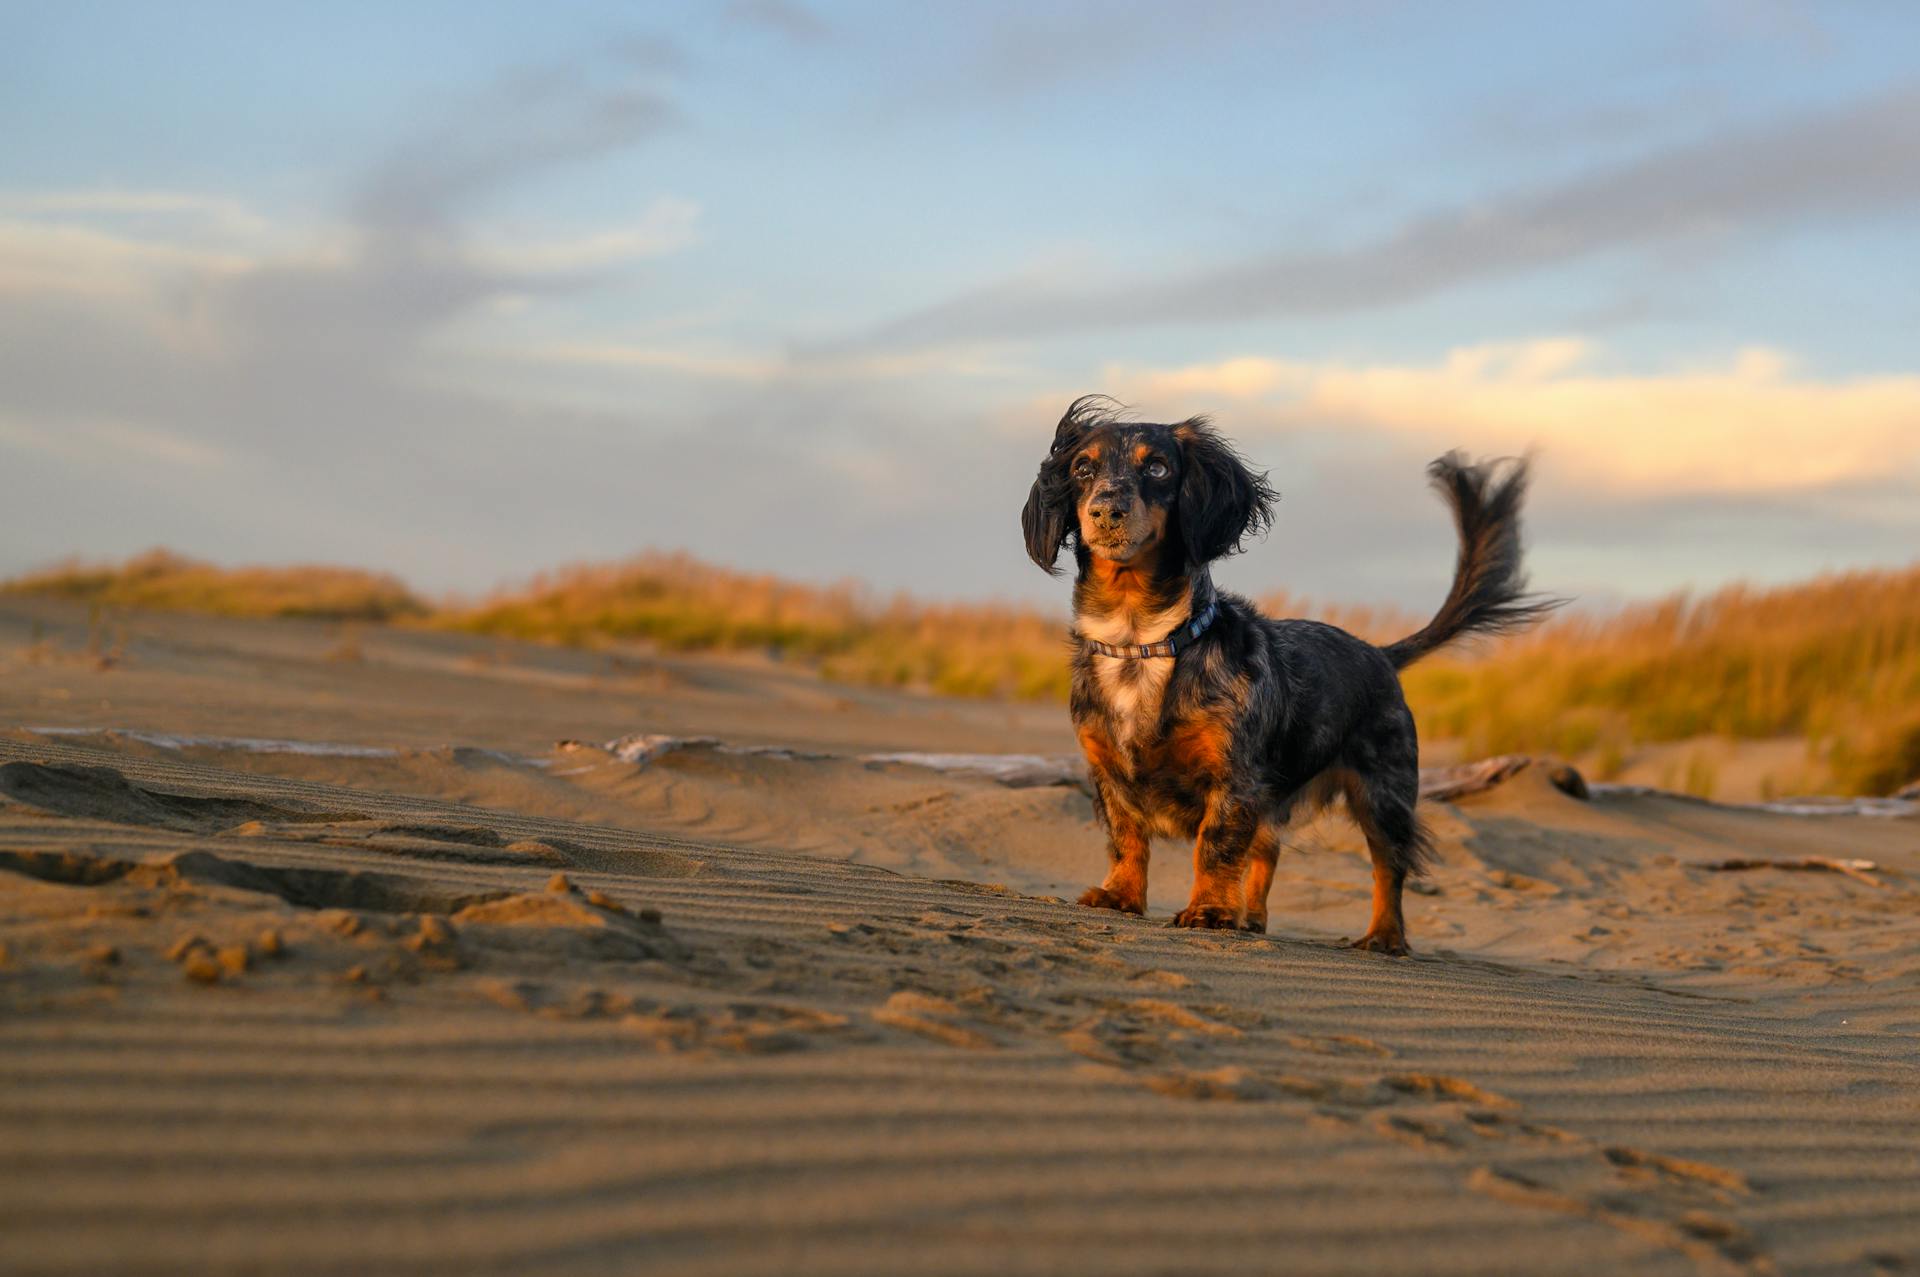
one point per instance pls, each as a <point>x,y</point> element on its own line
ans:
<point>1132,687</point>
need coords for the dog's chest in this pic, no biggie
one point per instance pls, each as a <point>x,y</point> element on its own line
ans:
<point>1146,755</point>
<point>1132,689</point>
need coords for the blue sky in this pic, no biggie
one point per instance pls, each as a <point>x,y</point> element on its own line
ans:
<point>465,291</point>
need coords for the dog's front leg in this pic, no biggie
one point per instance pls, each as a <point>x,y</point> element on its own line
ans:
<point>1220,866</point>
<point>1262,853</point>
<point>1125,887</point>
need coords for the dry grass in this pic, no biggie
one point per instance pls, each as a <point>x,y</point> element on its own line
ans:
<point>683,604</point>
<point>1835,661</point>
<point>162,580</point>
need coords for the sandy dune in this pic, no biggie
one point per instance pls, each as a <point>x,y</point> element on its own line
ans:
<point>447,996</point>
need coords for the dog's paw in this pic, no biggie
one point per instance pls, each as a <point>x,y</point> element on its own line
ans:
<point>1393,943</point>
<point>1255,922</point>
<point>1207,918</point>
<point>1101,898</point>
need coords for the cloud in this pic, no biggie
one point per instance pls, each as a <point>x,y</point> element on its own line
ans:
<point>339,389</point>
<point>160,210</point>
<point>649,53</point>
<point>706,366</point>
<point>40,258</point>
<point>783,17</point>
<point>357,419</point>
<point>1643,483</point>
<point>1750,425</point>
<point>667,225</point>
<point>98,443</point>
<point>526,123</point>
<point>119,243</point>
<point>358,302</point>
<point>401,263</point>
<point>770,370</point>
<point>307,360</point>
<point>1024,51</point>
<point>1860,158</point>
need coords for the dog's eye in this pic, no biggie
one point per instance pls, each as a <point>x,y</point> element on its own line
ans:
<point>1157,469</point>
<point>1082,468</point>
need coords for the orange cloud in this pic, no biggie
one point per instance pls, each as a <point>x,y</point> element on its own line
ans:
<point>1751,425</point>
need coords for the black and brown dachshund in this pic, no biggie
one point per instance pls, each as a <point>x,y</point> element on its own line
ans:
<point>1203,719</point>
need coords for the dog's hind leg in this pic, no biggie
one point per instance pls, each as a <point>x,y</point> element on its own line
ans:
<point>1382,803</point>
<point>1261,855</point>
<point>1313,797</point>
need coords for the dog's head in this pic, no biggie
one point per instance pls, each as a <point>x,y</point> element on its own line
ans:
<point>1125,490</point>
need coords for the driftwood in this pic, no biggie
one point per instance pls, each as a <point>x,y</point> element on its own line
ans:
<point>1861,869</point>
<point>1444,784</point>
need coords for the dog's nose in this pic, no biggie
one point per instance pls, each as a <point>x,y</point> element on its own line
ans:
<point>1106,509</point>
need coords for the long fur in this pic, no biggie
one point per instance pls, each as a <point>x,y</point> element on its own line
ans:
<point>1222,502</point>
<point>1489,594</point>
<point>1258,719</point>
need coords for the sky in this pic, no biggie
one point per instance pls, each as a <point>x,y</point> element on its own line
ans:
<point>464,291</point>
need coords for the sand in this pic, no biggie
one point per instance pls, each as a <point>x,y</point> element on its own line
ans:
<point>324,965</point>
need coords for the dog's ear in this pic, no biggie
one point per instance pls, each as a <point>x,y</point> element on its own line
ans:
<point>1044,522</point>
<point>1221,501</point>
<point>1044,519</point>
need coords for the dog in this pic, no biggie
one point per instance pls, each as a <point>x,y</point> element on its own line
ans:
<point>1199,717</point>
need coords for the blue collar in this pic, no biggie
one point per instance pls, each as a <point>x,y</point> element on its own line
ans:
<point>1172,645</point>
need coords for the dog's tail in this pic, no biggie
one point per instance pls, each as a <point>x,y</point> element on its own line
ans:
<point>1489,594</point>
